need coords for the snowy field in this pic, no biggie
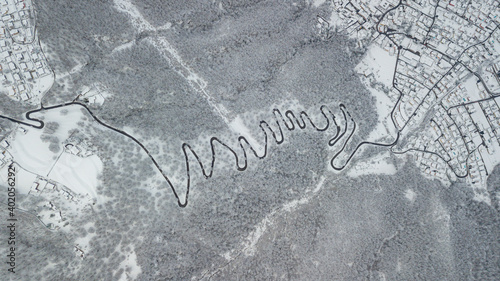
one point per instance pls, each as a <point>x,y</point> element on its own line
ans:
<point>33,152</point>
<point>77,173</point>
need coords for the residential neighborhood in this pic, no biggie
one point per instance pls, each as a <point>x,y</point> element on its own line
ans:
<point>24,72</point>
<point>446,78</point>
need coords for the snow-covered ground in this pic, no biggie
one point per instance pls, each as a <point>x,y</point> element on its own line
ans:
<point>77,173</point>
<point>123,47</point>
<point>130,266</point>
<point>317,3</point>
<point>31,152</point>
<point>34,155</point>
<point>378,164</point>
<point>94,95</point>
<point>378,65</point>
<point>384,126</point>
<point>470,86</point>
<point>24,179</point>
<point>238,126</point>
<point>40,87</point>
<point>410,195</point>
<point>378,62</point>
<point>83,243</point>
